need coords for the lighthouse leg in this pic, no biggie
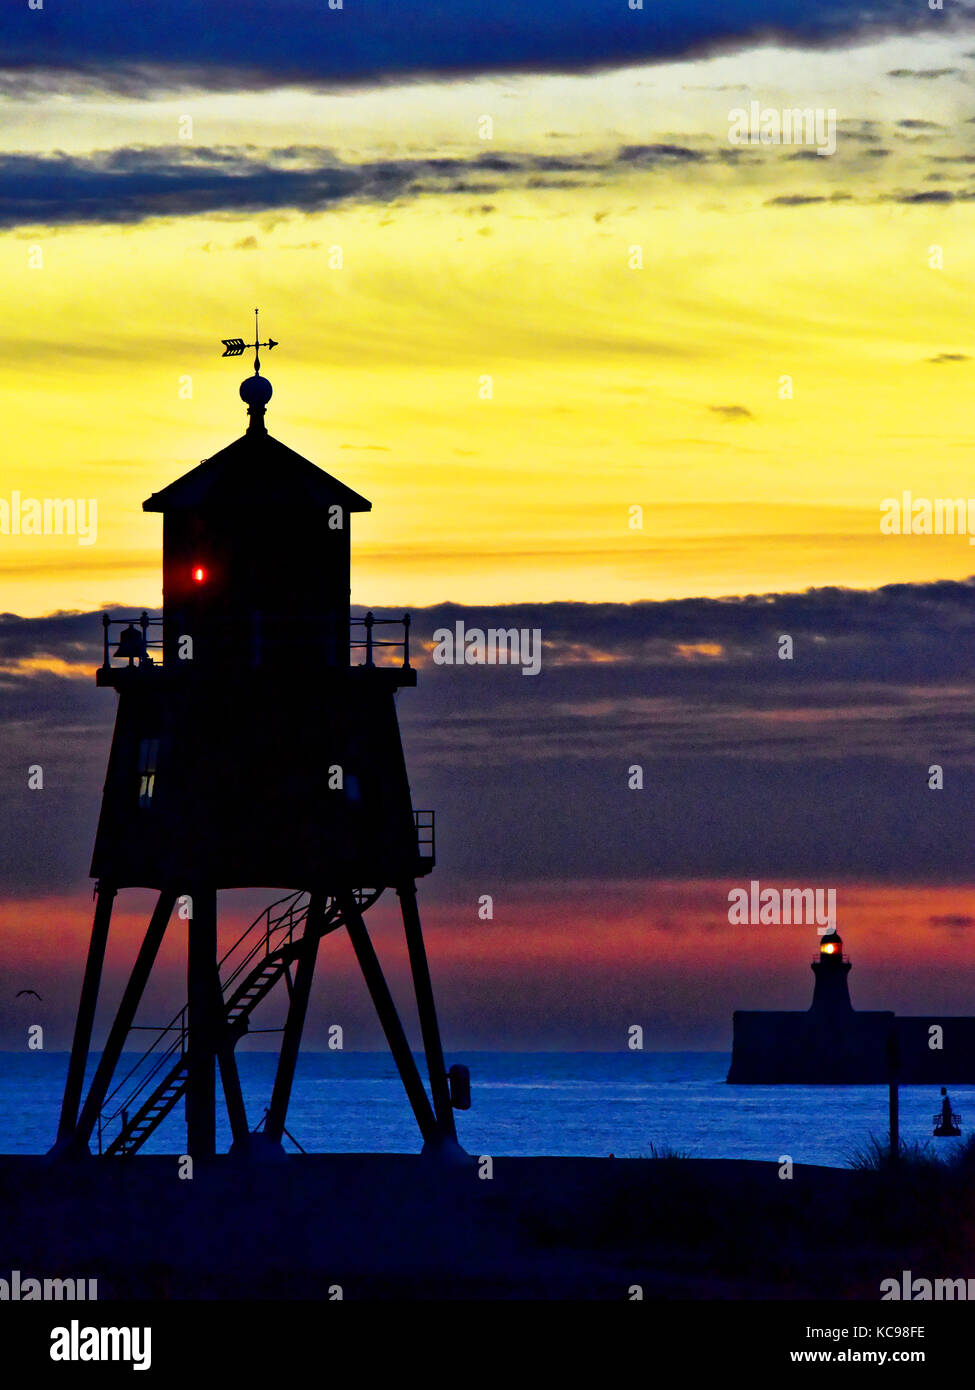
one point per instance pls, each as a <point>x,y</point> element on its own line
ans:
<point>427,1009</point>
<point>389,1018</point>
<point>86,1009</point>
<point>123,1019</point>
<point>297,1009</point>
<point>202,1024</point>
<point>229,1076</point>
<point>234,1096</point>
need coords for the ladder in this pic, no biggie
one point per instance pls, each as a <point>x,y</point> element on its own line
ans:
<point>254,964</point>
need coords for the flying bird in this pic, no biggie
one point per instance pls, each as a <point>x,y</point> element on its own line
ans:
<point>28,991</point>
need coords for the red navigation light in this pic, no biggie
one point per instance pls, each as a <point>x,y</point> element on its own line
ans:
<point>199,574</point>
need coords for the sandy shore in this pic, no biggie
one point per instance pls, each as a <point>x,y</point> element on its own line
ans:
<point>403,1227</point>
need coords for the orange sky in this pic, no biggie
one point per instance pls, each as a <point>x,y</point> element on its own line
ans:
<point>493,368</point>
<point>488,364</point>
<point>561,965</point>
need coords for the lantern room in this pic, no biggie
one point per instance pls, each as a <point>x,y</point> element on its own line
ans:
<point>256,555</point>
<point>831,946</point>
<point>831,969</point>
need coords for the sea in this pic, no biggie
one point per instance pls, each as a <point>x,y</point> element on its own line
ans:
<point>630,1104</point>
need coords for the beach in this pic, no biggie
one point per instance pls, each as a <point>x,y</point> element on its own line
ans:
<point>392,1226</point>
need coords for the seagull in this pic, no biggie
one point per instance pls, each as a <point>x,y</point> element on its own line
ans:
<point>28,991</point>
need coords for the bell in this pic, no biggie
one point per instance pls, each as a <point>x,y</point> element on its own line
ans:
<point>131,644</point>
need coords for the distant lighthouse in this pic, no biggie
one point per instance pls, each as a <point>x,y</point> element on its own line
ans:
<point>833,1044</point>
<point>832,991</point>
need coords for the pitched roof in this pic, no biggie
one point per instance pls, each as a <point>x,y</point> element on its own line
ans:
<point>255,471</point>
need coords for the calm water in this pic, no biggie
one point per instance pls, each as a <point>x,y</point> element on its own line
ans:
<point>529,1103</point>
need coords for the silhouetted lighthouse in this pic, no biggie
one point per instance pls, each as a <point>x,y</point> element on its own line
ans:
<point>834,1044</point>
<point>831,993</point>
<point>251,750</point>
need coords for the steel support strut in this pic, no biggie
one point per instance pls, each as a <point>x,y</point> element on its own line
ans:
<point>86,1009</point>
<point>125,1016</point>
<point>229,1076</point>
<point>427,1009</point>
<point>297,1010</point>
<point>388,1017</point>
<point>203,1026</point>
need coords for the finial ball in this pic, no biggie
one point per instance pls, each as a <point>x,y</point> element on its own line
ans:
<point>256,390</point>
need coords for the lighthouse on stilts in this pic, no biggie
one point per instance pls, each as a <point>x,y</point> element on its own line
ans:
<point>256,744</point>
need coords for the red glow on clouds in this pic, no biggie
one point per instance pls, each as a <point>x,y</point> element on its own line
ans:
<point>560,966</point>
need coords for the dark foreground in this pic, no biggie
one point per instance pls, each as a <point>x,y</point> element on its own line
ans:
<point>387,1226</point>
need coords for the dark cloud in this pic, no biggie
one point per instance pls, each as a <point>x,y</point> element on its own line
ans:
<point>925,73</point>
<point>101,45</point>
<point>63,635</point>
<point>732,412</point>
<point>752,763</point>
<point>952,919</point>
<point>130,184</point>
<point>865,131</point>
<point>928,195</point>
<point>950,357</point>
<point>659,154</point>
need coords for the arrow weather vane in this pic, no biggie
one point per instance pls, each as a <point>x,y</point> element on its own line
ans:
<point>235,347</point>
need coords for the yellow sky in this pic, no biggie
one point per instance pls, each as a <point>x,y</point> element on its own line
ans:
<point>612,386</point>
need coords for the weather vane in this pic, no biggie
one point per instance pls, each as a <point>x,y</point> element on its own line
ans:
<point>236,347</point>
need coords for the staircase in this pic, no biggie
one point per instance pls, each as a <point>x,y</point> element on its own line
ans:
<point>249,971</point>
<point>136,1130</point>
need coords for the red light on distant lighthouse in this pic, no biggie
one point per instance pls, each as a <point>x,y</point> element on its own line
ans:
<point>199,574</point>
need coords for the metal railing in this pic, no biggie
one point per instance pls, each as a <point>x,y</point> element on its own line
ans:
<point>426,841</point>
<point>370,643</point>
<point>280,929</point>
<point>143,624</point>
<point>159,1063</point>
<point>147,644</point>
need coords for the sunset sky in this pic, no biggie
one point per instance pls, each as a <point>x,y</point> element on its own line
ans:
<point>487,176</point>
